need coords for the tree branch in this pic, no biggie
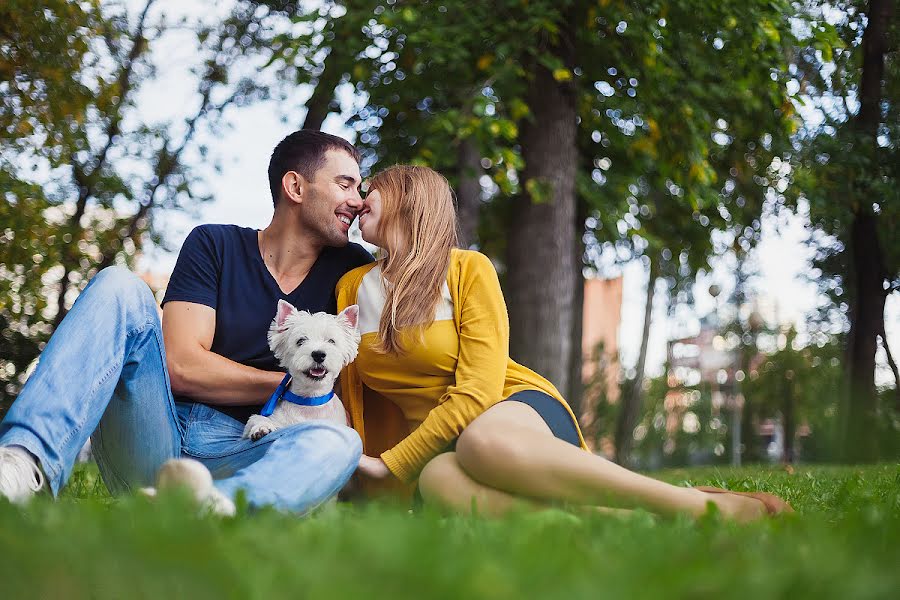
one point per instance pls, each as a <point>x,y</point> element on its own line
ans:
<point>167,163</point>
<point>86,181</point>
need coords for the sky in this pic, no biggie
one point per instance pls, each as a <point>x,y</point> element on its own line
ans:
<point>241,196</point>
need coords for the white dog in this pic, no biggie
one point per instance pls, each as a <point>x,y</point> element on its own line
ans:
<point>313,348</point>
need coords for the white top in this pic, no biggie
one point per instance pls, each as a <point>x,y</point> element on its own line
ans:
<point>371,298</point>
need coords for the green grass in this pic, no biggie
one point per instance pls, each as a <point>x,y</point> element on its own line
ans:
<point>843,543</point>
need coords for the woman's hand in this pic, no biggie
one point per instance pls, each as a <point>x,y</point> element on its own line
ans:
<point>373,467</point>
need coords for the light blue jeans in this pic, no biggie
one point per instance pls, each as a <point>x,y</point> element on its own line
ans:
<point>103,374</point>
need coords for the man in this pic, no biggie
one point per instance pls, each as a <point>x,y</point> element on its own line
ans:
<point>146,391</point>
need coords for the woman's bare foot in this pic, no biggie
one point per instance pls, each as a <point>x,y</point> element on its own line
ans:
<point>742,509</point>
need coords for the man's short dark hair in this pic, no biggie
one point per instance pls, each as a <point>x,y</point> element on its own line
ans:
<point>304,152</point>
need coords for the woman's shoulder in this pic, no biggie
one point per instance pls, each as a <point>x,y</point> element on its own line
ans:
<point>470,259</point>
<point>351,279</point>
<point>469,268</point>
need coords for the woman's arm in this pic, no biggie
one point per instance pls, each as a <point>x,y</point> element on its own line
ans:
<point>480,370</point>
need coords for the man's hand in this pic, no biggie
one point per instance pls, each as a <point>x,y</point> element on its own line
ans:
<point>373,467</point>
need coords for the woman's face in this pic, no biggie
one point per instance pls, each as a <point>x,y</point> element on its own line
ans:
<point>369,217</point>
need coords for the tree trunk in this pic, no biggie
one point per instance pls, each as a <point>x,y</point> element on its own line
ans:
<point>540,277</point>
<point>865,326</point>
<point>632,400</point>
<point>867,259</point>
<point>468,191</point>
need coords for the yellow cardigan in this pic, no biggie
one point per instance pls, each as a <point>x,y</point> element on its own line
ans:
<point>484,373</point>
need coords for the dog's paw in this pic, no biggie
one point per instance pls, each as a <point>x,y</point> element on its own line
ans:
<point>258,427</point>
<point>260,433</point>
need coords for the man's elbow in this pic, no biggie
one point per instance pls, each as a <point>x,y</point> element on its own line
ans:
<point>180,376</point>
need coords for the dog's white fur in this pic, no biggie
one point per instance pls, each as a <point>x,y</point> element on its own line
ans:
<point>295,336</point>
<point>335,336</point>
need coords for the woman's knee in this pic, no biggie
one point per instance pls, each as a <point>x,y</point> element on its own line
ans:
<point>440,478</point>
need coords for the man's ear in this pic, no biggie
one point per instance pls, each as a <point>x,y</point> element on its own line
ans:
<point>350,315</point>
<point>292,186</point>
<point>284,311</point>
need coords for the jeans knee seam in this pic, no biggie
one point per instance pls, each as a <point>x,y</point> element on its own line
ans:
<point>139,328</point>
<point>77,429</point>
<point>170,397</point>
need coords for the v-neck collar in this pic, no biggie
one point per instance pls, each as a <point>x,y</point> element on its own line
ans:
<point>257,253</point>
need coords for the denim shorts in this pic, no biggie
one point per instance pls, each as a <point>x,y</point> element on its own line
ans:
<point>548,408</point>
<point>552,411</point>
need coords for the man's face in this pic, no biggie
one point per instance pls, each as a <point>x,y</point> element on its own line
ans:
<point>331,200</point>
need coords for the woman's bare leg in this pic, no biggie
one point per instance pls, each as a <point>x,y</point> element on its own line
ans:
<point>510,448</point>
<point>444,484</point>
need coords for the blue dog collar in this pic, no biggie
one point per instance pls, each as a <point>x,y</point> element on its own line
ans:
<point>282,393</point>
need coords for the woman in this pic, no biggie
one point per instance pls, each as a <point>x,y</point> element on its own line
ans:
<point>435,396</point>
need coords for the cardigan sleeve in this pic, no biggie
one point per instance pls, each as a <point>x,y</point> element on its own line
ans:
<point>480,370</point>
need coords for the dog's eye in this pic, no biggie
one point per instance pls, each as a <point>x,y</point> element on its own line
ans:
<point>301,341</point>
<point>332,342</point>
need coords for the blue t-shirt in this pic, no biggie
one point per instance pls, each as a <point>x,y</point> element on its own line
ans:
<point>220,266</point>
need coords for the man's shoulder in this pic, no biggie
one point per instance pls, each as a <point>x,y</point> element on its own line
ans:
<point>220,231</point>
<point>216,236</point>
<point>350,256</point>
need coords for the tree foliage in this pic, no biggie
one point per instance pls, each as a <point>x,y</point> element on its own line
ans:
<point>83,171</point>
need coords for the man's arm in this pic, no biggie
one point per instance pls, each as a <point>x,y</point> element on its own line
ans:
<point>201,374</point>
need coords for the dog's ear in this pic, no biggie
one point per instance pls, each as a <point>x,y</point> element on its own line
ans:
<point>284,311</point>
<point>350,315</point>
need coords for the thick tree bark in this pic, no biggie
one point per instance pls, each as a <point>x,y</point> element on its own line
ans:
<point>632,401</point>
<point>874,47</point>
<point>865,326</point>
<point>468,191</point>
<point>540,277</point>
<point>867,259</point>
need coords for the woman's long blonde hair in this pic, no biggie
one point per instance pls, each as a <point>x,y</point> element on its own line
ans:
<point>418,228</point>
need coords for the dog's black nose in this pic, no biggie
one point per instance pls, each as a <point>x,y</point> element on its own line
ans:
<point>318,356</point>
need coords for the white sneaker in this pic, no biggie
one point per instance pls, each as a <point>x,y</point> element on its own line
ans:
<point>20,476</point>
<point>191,474</point>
